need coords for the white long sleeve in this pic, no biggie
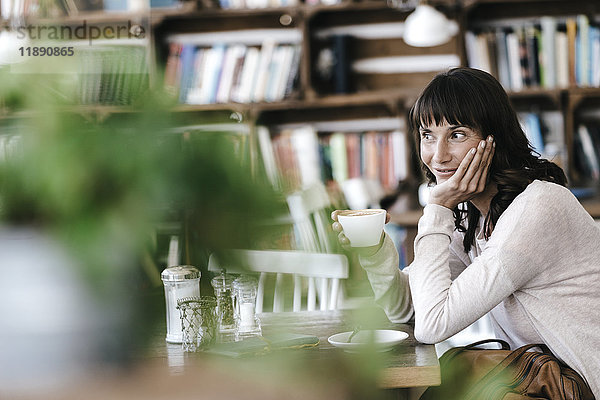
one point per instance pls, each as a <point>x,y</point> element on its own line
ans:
<point>390,285</point>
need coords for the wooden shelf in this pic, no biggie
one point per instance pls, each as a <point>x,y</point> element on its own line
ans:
<point>154,15</point>
<point>401,98</point>
<point>410,219</point>
<point>384,97</point>
<point>592,207</point>
<point>471,3</point>
<point>90,17</point>
<point>204,13</point>
<point>584,91</point>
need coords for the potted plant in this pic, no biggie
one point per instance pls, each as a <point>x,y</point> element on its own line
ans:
<point>79,198</point>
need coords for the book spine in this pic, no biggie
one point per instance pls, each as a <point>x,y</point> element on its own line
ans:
<point>339,163</point>
<point>482,50</point>
<point>293,74</point>
<point>589,155</point>
<point>341,73</point>
<point>399,156</point>
<point>583,50</point>
<point>187,66</point>
<point>262,74</point>
<point>562,58</point>
<point>472,51</point>
<point>490,44</point>
<point>533,52</point>
<point>502,56</point>
<point>248,76</point>
<point>595,56</point>
<point>237,74</point>
<point>571,40</point>
<point>226,78</point>
<point>524,58</point>
<point>194,94</point>
<point>548,52</point>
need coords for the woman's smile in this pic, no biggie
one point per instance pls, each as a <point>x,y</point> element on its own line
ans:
<point>442,172</point>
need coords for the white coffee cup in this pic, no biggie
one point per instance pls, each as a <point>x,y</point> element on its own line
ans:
<point>362,227</point>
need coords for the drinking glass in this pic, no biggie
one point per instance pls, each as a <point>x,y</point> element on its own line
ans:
<point>198,322</point>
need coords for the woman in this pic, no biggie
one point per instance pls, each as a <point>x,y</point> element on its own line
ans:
<point>500,234</point>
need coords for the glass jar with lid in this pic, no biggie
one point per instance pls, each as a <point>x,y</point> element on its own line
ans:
<point>179,282</point>
<point>246,322</point>
<point>223,286</point>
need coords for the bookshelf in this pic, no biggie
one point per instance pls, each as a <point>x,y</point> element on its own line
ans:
<point>378,78</point>
<point>557,71</point>
<point>373,88</point>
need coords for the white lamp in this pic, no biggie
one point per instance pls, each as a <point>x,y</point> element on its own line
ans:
<point>10,42</point>
<point>427,27</point>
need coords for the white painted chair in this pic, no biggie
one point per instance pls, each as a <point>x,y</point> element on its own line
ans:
<point>308,209</point>
<point>326,269</point>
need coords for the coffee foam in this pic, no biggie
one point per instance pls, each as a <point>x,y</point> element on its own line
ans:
<point>358,213</point>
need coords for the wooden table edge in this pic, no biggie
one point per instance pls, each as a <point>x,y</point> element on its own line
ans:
<point>401,377</point>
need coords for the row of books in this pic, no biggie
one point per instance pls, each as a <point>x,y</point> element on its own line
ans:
<point>545,132</point>
<point>232,73</point>
<point>241,4</point>
<point>586,148</point>
<point>300,157</point>
<point>11,9</point>
<point>548,53</point>
<point>9,144</point>
<point>112,75</point>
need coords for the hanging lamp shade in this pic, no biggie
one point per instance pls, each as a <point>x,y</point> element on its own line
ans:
<point>10,42</point>
<point>427,27</point>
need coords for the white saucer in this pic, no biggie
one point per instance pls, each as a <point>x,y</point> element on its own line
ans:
<point>380,340</point>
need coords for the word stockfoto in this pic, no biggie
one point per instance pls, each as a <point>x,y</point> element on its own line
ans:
<point>83,31</point>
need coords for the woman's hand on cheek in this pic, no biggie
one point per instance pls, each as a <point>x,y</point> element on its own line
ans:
<point>469,179</point>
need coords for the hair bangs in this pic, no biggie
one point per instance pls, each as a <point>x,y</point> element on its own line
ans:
<point>447,100</point>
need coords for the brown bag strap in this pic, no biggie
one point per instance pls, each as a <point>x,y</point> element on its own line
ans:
<point>505,346</point>
<point>450,354</point>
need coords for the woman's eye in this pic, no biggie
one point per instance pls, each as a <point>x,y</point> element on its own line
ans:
<point>458,135</point>
<point>425,136</point>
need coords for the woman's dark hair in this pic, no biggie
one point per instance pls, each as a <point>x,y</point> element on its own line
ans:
<point>465,96</point>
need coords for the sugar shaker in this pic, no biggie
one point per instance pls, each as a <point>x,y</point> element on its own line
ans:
<point>179,281</point>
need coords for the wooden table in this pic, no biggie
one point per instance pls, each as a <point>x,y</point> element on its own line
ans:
<point>409,365</point>
<point>159,370</point>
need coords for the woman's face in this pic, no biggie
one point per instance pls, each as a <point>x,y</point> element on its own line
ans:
<point>444,146</point>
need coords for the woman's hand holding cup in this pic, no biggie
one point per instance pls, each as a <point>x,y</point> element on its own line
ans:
<point>360,230</point>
